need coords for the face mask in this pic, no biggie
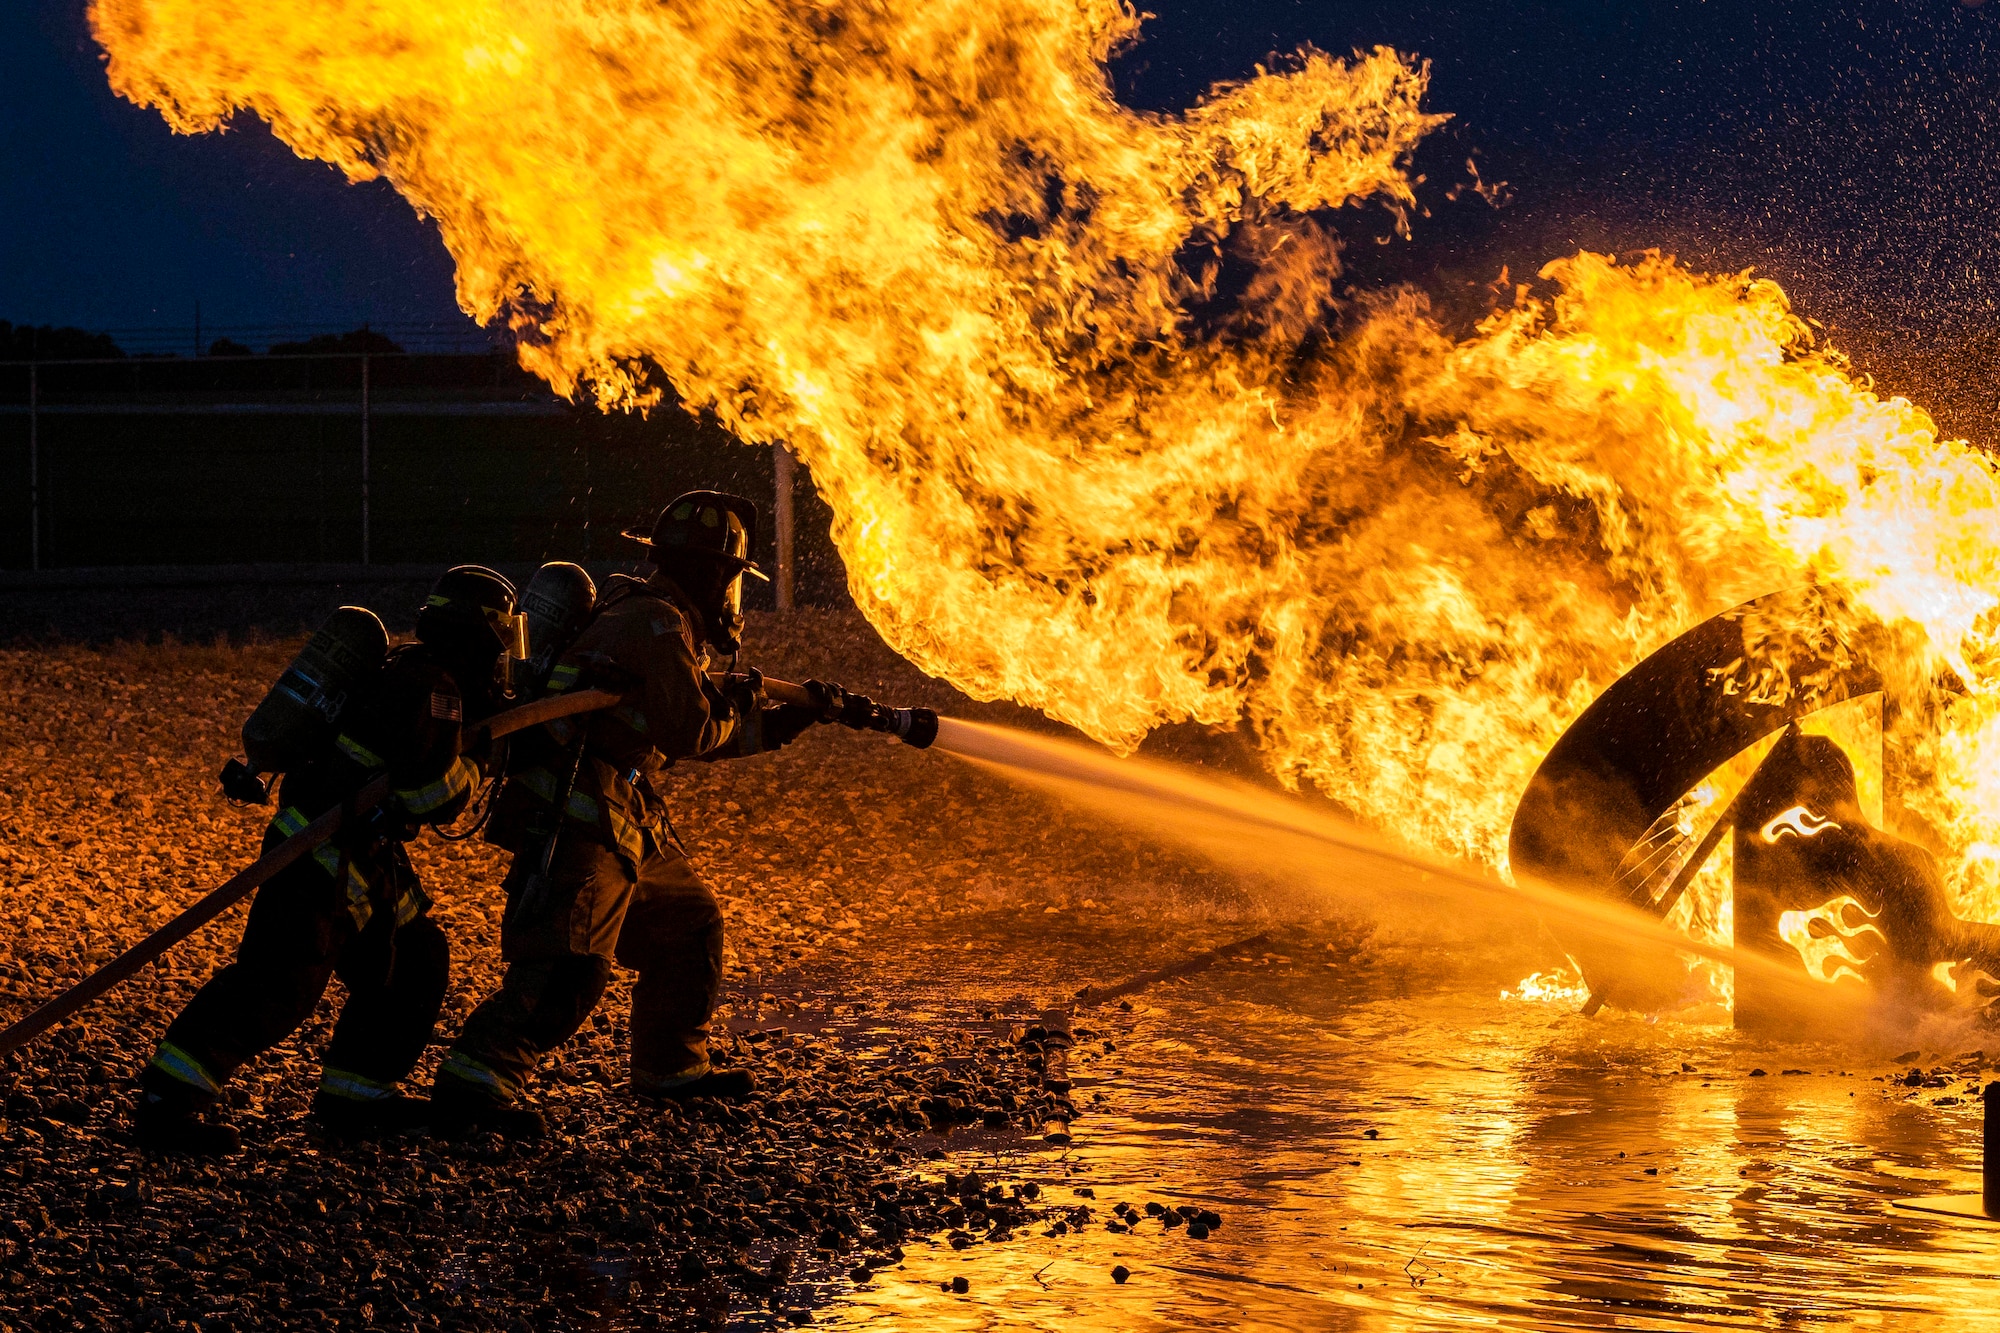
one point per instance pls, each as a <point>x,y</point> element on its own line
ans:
<point>727,632</point>
<point>510,666</point>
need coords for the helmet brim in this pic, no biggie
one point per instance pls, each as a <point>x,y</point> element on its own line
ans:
<point>743,566</point>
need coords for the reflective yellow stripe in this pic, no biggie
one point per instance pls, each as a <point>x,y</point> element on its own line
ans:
<point>461,1066</point>
<point>358,752</point>
<point>347,1084</point>
<point>562,678</point>
<point>177,1064</point>
<point>642,1082</point>
<point>289,821</point>
<point>459,779</point>
<point>626,836</point>
<point>407,908</point>
<point>581,806</point>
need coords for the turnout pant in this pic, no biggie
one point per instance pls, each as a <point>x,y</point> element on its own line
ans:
<point>301,933</point>
<point>657,918</point>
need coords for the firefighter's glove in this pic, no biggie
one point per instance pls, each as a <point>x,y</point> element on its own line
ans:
<point>744,690</point>
<point>827,700</point>
<point>783,723</point>
<point>384,824</point>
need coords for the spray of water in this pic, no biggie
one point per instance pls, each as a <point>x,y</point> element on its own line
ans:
<point>1247,828</point>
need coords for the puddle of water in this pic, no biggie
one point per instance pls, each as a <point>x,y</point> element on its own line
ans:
<point>1389,1153</point>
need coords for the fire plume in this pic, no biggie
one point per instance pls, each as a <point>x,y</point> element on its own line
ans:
<point>1073,462</point>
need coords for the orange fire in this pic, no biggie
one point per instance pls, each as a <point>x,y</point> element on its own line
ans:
<point>925,246</point>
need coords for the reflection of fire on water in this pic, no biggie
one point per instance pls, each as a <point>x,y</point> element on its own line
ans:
<point>1559,985</point>
<point>1823,936</point>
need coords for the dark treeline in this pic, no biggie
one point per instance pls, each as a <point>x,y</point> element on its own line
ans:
<point>47,342</point>
<point>28,342</point>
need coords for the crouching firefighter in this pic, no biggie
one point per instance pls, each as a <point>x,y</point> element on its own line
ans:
<point>354,906</point>
<point>597,873</point>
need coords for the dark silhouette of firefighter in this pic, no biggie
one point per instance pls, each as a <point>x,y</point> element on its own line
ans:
<point>597,874</point>
<point>354,907</point>
<point>1814,879</point>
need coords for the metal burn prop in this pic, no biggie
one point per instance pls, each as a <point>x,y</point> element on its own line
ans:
<point>1814,881</point>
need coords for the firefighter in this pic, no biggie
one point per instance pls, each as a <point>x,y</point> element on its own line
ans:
<point>597,873</point>
<point>353,908</point>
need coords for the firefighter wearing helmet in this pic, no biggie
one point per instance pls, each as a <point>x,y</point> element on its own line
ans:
<point>597,874</point>
<point>354,907</point>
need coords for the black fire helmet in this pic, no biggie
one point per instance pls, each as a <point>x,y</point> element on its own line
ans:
<point>470,610</point>
<point>709,525</point>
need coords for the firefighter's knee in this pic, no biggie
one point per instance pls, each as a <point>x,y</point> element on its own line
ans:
<point>586,976</point>
<point>565,991</point>
<point>423,956</point>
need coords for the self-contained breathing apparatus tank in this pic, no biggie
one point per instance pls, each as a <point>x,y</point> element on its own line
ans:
<point>558,603</point>
<point>297,718</point>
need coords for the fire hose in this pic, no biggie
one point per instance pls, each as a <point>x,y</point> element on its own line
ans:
<point>915,726</point>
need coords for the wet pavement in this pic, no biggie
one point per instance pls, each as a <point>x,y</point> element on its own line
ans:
<point>1390,1145</point>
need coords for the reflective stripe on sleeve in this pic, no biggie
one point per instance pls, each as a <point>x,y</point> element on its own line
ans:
<point>459,779</point>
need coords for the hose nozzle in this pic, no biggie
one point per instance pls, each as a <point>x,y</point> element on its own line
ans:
<point>911,726</point>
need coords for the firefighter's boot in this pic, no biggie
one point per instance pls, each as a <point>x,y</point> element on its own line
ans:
<point>349,1118</point>
<point>458,1108</point>
<point>170,1124</point>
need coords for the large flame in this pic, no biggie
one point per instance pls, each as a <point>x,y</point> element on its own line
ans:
<point>1095,435</point>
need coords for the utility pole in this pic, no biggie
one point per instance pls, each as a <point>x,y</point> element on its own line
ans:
<point>364,458</point>
<point>783,521</point>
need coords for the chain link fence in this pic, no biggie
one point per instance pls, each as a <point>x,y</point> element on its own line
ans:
<point>369,457</point>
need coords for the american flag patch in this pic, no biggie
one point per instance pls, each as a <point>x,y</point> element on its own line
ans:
<point>446,707</point>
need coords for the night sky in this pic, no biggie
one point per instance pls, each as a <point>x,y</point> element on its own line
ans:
<point>1845,148</point>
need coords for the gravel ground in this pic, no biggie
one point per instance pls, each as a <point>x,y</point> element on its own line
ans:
<point>834,859</point>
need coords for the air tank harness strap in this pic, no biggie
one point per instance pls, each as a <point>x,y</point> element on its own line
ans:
<point>535,894</point>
